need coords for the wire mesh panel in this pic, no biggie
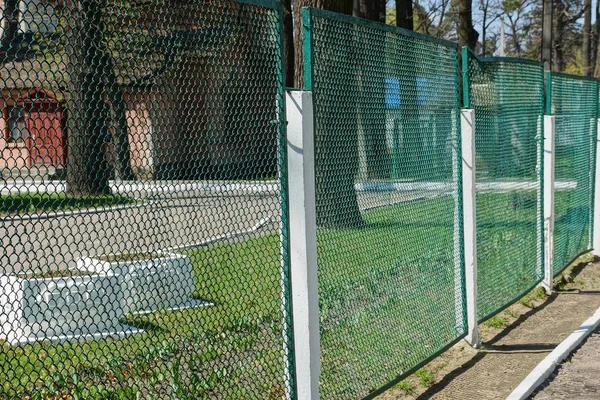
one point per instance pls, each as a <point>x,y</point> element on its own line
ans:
<point>388,217</point>
<point>574,102</point>
<point>507,96</point>
<point>143,245</point>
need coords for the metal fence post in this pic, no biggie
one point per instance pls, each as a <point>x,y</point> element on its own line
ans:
<point>549,158</point>
<point>303,243</point>
<point>596,219</point>
<point>467,128</point>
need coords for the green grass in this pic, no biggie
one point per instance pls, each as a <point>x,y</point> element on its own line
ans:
<point>426,379</point>
<point>406,387</point>
<point>44,202</point>
<point>496,322</point>
<point>536,294</point>
<point>387,303</point>
<point>233,348</point>
<point>506,248</point>
<point>571,226</point>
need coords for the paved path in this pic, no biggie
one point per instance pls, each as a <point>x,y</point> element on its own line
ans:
<point>170,214</point>
<point>509,355</point>
<point>577,378</point>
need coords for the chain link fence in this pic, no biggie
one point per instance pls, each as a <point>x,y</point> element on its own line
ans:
<point>507,96</point>
<point>389,256</point>
<point>573,100</point>
<point>143,199</point>
<point>143,244</point>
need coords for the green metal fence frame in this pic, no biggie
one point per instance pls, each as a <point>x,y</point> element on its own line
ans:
<point>308,13</point>
<point>466,53</point>
<point>593,148</point>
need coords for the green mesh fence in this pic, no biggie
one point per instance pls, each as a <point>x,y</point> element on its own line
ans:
<point>388,233</point>
<point>507,96</point>
<point>143,250</point>
<point>574,102</point>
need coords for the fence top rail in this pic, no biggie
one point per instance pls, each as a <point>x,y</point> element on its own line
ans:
<point>574,77</point>
<point>511,60</point>
<point>348,19</point>
<point>262,3</point>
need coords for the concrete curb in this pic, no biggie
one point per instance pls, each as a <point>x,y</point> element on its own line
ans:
<point>545,368</point>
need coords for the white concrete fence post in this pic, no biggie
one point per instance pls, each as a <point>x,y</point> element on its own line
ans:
<point>596,219</point>
<point>467,127</point>
<point>303,243</point>
<point>549,159</point>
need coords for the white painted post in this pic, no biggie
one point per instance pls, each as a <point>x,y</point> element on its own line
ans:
<point>541,243</point>
<point>458,245</point>
<point>549,158</point>
<point>591,181</point>
<point>596,219</point>
<point>467,128</point>
<point>303,243</point>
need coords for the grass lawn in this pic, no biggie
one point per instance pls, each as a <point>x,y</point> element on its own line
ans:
<point>387,302</point>
<point>571,226</point>
<point>44,202</point>
<point>507,249</point>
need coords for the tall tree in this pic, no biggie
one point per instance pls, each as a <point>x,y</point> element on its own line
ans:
<point>547,23</point>
<point>371,96</point>
<point>340,6</point>
<point>336,149</point>
<point>489,14</point>
<point>87,123</point>
<point>10,21</point>
<point>467,34</point>
<point>373,10</point>
<point>95,103</point>
<point>566,32</point>
<point>597,42</point>
<point>404,14</point>
<point>587,38</point>
<point>517,13</point>
<point>288,32</point>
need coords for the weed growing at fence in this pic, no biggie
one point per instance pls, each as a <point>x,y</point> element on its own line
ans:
<point>496,322</point>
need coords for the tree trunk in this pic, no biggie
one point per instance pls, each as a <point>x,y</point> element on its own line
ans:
<point>288,42</point>
<point>587,37</point>
<point>339,6</point>
<point>597,42</point>
<point>88,172</point>
<point>10,22</point>
<point>467,34</point>
<point>336,144</point>
<point>373,10</point>
<point>297,37</point>
<point>547,42</point>
<point>371,109</point>
<point>596,39</point>
<point>558,34</point>
<point>119,120</point>
<point>404,14</point>
<point>484,30</point>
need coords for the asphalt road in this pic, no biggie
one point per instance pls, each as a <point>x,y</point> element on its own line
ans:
<point>169,215</point>
<point>39,243</point>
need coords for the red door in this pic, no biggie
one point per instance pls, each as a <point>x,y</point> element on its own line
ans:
<point>45,136</point>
